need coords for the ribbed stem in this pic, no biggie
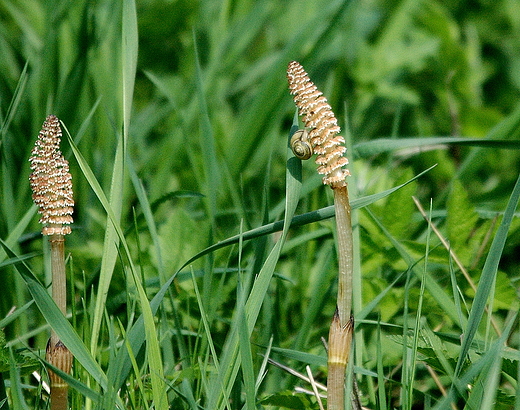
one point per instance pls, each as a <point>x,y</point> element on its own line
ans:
<point>60,357</point>
<point>340,339</point>
<point>341,328</point>
<point>57,354</point>
<point>322,139</point>
<point>60,399</point>
<point>59,277</point>
<point>345,253</point>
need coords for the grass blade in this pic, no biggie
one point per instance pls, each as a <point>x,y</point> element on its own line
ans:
<point>230,358</point>
<point>58,322</point>
<point>488,277</point>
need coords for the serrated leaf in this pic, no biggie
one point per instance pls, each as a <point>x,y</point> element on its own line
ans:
<point>399,207</point>
<point>461,221</point>
<point>288,400</point>
<point>173,239</point>
<point>505,293</point>
<point>390,304</point>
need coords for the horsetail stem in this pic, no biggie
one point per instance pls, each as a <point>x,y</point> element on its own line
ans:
<point>322,138</point>
<point>51,184</point>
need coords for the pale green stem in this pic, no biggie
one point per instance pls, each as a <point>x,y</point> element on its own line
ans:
<point>57,353</point>
<point>341,329</point>
<point>345,253</point>
<point>59,277</point>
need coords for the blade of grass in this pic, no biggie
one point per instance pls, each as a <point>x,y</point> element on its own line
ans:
<point>246,357</point>
<point>440,351</point>
<point>58,322</point>
<point>18,230</point>
<point>507,130</point>
<point>119,369</point>
<point>133,360</point>
<point>488,277</point>
<point>380,370</point>
<point>406,389</point>
<point>207,143</point>
<point>436,291</point>
<point>15,103</point>
<point>370,148</point>
<point>205,323</point>
<point>129,44</point>
<point>299,220</point>
<point>481,366</point>
<point>148,215</point>
<point>12,316</point>
<point>16,384</point>
<point>230,361</point>
<point>417,326</point>
<point>152,347</point>
<point>153,350</point>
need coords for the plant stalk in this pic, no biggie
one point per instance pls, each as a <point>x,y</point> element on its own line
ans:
<point>51,184</point>
<point>57,353</point>
<point>345,253</point>
<point>342,326</point>
<point>321,137</point>
<point>59,277</point>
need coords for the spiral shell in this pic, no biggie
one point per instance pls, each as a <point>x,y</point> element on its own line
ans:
<point>300,145</point>
<point>322,124</point>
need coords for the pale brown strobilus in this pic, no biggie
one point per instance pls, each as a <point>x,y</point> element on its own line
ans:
<point>321,137</point>
<point>51,184</point>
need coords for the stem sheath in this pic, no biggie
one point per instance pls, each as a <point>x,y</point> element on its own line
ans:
<point>345,253</point>
<point>57,353</point>
<point>341,328</point>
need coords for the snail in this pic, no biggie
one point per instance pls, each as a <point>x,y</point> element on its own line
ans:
<point>300,144</point>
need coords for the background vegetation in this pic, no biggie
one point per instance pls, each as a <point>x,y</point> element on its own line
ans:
<point>178,113</point>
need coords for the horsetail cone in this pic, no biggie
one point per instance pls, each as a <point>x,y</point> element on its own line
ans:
<point>51,184</point>
<point>322,124</point>
<point>51,181</point>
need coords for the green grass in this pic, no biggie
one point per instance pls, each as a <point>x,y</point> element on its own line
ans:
<point>185,272</point>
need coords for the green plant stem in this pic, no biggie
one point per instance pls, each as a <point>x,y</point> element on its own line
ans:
<point>57,353</point>
<point>340,339</point>
<point>341,329</point>
<point>59,278</point>
<point>345,253</point>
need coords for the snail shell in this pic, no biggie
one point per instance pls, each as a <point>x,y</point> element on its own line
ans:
<point>300,144</point>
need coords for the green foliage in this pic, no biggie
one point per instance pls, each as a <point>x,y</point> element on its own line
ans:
<point>288,400</point>
<point>177,116</point>
<point>461,220</point>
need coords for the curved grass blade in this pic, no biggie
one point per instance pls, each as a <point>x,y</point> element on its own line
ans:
<point>299,220</point>
<point>231,359</point>
<point>488,277</point>
<point>437,292</point>
<point>374,147</point>
<point>58,322</point>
